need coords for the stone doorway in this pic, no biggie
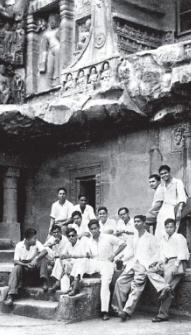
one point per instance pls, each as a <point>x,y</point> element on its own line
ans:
<point>87,186</point>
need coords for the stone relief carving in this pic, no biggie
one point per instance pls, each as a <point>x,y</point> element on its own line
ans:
<point>132,38</point>
<point>13,9</point>
<point>178,137</point>
<point>83,34</point>
<point>18,89</point>
<point>81,80</point>
<point>93,77</point>
<point>4,86</point>
<point>124,70</point>
<point>49,60</point>
<point>70,84</point>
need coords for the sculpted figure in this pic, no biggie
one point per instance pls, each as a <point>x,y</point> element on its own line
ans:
<point>69,82</point>
<point>8,39</point>
<point>84,34</point>
<point>49,60</point>
<point>18,89</point>
<point>4,86</point>
<point>106,73</point>
<point>93,78</point>
<point>81,80</point>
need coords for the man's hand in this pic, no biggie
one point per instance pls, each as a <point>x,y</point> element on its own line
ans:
<point>111,258</point>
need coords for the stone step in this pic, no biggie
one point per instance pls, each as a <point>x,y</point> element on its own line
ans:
<point>5,269</point>
<point>39,309</point>
<point>6,244</point>
<point>6,255</point>
<point>37,293</point>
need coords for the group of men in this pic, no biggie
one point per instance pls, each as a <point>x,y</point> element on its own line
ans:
<point>78,243</point>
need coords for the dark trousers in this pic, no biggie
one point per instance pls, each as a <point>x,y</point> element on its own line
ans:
<point>21,275</point>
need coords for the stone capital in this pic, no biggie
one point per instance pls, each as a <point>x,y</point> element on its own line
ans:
<point>66,9</point>
<point>12,172</point>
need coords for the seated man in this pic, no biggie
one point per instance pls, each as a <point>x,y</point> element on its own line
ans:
<point>103,248</point>
<point>107,225</point>
<point>173,254</point>
<point>78,225</point>
<point>86,210</point>
<point>125,225</point>
<point>154,182</point>
<point>29,259</point>
<point>74,250</point>
<point>134,278</point>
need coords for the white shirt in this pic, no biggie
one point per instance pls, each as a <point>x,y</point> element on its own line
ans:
<point>83,228</point>
<point>61,212</point>
<point>81,248</point>
<point>129,227</point>
<point>174,246</point>
<point>104,247</point>
<point>174,192</point>
<point>58,248</point>
<point>87,215</point>
<point>110,224</point>
<point>21,253</point>
<point>158,196</point>
<point>146,249</point>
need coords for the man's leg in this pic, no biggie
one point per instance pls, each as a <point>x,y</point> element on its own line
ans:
<point>42,266</point>
<point>106,269</point>
<point>15,282</point>
<point>121,290</point>
<point>137,287</point>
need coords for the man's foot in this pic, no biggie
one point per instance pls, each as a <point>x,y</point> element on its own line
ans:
<point>105,316</point>
<point>124,316</point>
<point>75,289</point>
<point>45,287</point>
<point>9,301</point>
<point>158,319</point>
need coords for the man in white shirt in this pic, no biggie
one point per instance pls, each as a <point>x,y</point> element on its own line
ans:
<point>61,209</point>
<point>78,225</point>
<point>107,225</point>
<point>174,197</point>
<point>154,182</point>
<point>173,256</point>
<point>86,210</point>
<point>125,225</point>
<point>103,249</point>
<point>134,278</point>
<point>29,260</point>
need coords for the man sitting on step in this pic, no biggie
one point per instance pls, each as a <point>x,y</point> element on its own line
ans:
<point>29,260</point>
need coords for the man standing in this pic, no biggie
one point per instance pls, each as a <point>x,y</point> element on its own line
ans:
<point>81,228</point>
<point>154,182</point>
<point>29,260</point>
<point>61,209</point>
<point>146,254</point>
<point>174,197</point>
<point>173,256</point>
<point>86,210</point>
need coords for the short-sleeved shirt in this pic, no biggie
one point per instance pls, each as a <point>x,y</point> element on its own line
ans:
<point>58,248</point>
<point>158,196</point>
<point>81,248</point>
<point>110,224</point>
<point>61,212</point>
<point>174,192</point>
<point>174,246</point>
<point>104,247</point>
<point>83,228</point>
<point>21,253</point>
<point>87,215</point>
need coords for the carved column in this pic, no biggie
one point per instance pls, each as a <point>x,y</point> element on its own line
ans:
<point>10,228</point>
<point>154,153</point>
<point>32,52</point>
<point>66,32</point>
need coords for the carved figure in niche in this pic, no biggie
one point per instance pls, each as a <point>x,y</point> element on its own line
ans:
<point>41,25</point>
<point>8,39</point>
<point>69,82</point>
<point>179,136</point>
<point>50,51</point>
<point>106,72</point>
<point>18,89</point>
<point>84,32</point>
<point>93,77</point>
<point>124,70</point>
<point>81,80</point>
<point>19,34</point>
<point>4,86</point>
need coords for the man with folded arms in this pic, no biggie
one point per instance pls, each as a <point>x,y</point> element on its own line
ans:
<point>29,260</point>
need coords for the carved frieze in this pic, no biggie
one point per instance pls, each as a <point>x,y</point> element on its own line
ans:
<point>177,138</point>
<point>12,86</point>
<point>133,37</point>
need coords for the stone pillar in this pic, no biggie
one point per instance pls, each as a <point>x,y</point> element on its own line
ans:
<point>66,32</point>
<point>154,153</point>
<point>32,56</point>
<point>10,228</point>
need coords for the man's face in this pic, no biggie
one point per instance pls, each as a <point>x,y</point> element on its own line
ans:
<point>139,224</point>
<point>153,183</point>
<point>32,241</point>
<point>61,195</point>
<point>72,237</point>
<point>77,220</point>
<point>170,228</point>
<point>165,175</point>
<point>124,215</point>
<point>94,230</point>
<point>83,201</point>
<point>57,233</point>
<point>103,216</point>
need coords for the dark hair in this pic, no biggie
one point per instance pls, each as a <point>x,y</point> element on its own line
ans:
<point>82,195</point>
<point>102,208</point>
<point>154,175</point>
<point>62,188</point>
<point>141,217</point>
<point>54,227</point>
<point>167,221</point>
<point>70,230</point>
<point>123,208</point>
<point>76,213</point>
<point>29,233</point>
<point>93,221</point>
<point>164,167</point>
